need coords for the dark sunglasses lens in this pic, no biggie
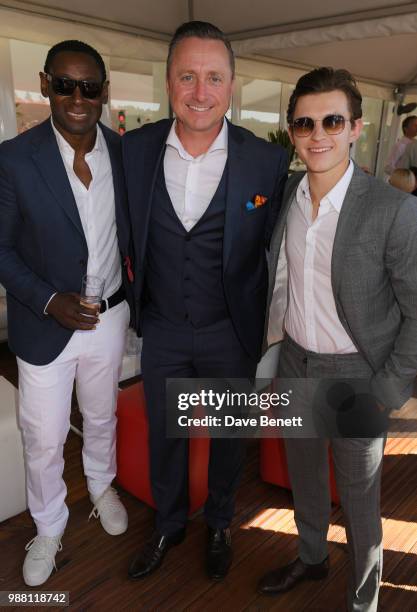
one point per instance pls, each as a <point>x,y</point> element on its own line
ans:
<point>334,124</point>
<point>66,87</point>
<point>63,87</point>
<point>91,89</point>
<point>303,126</point>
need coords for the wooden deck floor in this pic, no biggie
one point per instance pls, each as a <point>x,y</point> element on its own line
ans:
<point>93,565</point>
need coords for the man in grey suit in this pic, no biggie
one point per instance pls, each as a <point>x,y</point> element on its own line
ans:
<point>343,294</point>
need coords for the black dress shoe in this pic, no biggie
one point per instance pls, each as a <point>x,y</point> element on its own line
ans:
<point>219,553</point>
<point>289,576</point>
<point>150,557</point>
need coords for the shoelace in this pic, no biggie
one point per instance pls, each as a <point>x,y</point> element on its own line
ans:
<point>108,500</point>
<point>42,547</point>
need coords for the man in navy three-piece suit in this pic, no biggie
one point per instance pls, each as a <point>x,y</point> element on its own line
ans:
<point>202,196</point>
<point>61,194</point>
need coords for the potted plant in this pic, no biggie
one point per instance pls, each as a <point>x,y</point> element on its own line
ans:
<point>281,137</point>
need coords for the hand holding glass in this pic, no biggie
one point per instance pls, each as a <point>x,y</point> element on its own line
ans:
<point>92,292</point>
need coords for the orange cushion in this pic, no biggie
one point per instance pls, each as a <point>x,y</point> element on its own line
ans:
<point>133,451</point>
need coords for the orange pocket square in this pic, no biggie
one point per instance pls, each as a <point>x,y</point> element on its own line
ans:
<point>257,201</point>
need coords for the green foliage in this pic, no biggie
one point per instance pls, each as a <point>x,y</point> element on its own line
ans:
<point>281,137</point>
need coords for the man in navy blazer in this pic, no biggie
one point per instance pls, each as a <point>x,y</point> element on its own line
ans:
<point>201,194</point>
<point>61,193</point>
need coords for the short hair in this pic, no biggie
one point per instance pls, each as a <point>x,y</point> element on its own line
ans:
<point>75,46</point>
<point>200,29</point>
<point>322,80</point>
<point>403,179</point>
<point>407,122</point>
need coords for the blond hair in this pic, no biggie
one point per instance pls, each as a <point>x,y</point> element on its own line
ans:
<point>403,179</point>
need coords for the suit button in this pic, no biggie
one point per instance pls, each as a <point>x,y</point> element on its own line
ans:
<point>83,262</point>
<point>187,316</point>
<point>305,360</point>
<point>188,238</point>
<point>187,278</point>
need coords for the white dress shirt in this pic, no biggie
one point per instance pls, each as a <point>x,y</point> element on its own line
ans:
<point>192,181</point>
<point>311,318</point>
<point>96,207</point>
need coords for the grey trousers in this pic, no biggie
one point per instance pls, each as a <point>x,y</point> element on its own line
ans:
<point>358,464</point>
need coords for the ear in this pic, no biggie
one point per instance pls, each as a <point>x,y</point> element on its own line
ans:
<point>289,131</point>
<point>356,130</point>
<point>43,85</point>
<point>105,93</point>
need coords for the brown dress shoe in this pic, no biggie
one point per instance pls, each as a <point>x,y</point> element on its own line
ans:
<point>287,577</point>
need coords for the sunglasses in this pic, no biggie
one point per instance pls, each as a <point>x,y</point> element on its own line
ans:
<point>63,86</point>
<point>332,125</point>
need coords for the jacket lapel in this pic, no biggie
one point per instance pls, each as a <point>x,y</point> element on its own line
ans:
<point>142,184</point>
<point>47,157</point>
<point>287,199</point>
<point>239,165</point>
<point>114,148</point>
<point>277,287</point>
<point>350,219</point>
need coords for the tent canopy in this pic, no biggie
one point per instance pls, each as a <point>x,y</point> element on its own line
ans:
<point>377,43</point>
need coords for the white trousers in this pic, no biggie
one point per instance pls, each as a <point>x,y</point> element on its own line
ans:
<point>93,359</point>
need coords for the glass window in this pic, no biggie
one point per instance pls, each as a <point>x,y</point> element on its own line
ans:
<point>286,92</point>
<point>296,164</point>
<point>366,148</point>
<point>259,105</point>
<point>387,139</point>
<point>27,61</point>
<point>141,97</point>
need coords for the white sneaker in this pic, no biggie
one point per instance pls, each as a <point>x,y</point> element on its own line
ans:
<point>40,559</point>
<point>111,512</point>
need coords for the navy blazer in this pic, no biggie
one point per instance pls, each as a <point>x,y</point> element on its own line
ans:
<point>255,167</point>
<point>42,244</point>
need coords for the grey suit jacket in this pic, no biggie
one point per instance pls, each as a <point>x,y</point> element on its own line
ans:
<point>374,279</point>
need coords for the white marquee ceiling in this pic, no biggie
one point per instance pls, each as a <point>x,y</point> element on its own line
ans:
<point>376,39</point>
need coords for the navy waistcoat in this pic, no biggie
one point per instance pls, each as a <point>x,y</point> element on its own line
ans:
<point>184,270</point>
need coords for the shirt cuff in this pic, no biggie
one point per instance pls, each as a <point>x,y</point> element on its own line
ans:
<point>47,303</point>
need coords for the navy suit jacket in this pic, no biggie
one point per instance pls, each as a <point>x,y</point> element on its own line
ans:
<point>42,244</point>
<point>255,167</point>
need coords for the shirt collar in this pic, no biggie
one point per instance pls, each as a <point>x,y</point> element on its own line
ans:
<point>336,195</point>
<point>219,143</point>
<point>67,150</point>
